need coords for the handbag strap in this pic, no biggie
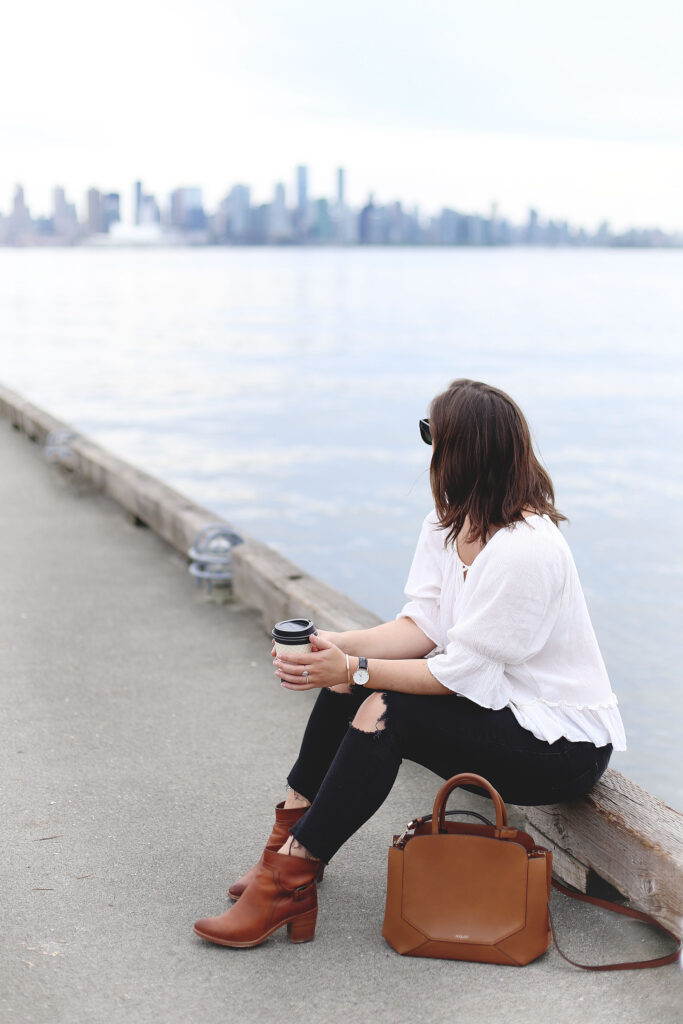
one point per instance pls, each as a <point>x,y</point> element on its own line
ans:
<point>449,814</point>
<point>639,915</point>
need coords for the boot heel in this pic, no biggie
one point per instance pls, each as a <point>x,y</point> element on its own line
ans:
<point>302,929</point>
<point>320,874</point>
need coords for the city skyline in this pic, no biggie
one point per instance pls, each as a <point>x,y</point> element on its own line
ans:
<point>185,218</point>
<point>574,110</point>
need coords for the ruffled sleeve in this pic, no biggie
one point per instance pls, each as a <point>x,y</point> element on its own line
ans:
<point>510,605</point>
<point>425,579</point>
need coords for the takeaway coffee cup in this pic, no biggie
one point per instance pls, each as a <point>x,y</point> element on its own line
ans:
<point>292,636</point>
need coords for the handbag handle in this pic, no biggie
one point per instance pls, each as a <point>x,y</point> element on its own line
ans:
<point>466,779</point>
<point>400,841</point>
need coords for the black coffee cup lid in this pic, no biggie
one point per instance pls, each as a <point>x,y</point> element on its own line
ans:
<point>293,631</point>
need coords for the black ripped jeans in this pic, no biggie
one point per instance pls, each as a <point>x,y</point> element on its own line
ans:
<point>347,774</point>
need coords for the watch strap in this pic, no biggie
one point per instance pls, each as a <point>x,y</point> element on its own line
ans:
<point>362,666</point>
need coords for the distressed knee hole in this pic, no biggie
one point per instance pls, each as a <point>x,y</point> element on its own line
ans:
<point>372,714</point>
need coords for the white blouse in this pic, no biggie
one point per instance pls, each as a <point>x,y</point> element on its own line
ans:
<point>513,630</point>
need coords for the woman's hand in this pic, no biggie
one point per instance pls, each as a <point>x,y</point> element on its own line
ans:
<point>325,665</point>
<point>334,638</point>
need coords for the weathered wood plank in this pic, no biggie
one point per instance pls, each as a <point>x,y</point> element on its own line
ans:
<point>566,867</point>
<point>627,836</point>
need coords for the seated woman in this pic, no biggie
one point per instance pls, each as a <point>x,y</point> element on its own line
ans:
<point>491,667</point>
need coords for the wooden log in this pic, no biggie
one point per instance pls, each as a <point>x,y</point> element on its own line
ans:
<point>566,867</point>
<point>626,836</point>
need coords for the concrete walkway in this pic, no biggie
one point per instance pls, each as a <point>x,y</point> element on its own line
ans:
<point>144,743</point>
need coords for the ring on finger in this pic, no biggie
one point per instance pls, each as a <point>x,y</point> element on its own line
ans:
<point>306,674</point>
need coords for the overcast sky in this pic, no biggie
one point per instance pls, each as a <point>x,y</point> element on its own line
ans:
<point>573,107</point>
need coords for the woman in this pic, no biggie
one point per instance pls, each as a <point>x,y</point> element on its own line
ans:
<point>491,667</point>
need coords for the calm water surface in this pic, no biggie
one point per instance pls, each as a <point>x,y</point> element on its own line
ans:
<point>283,387</point>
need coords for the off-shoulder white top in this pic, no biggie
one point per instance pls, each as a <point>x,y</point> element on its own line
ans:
<point>513,630</point>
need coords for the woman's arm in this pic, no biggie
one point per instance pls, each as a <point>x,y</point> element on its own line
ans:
<point>401,676</point>
<point>326,666</point>
<point>398,639</point>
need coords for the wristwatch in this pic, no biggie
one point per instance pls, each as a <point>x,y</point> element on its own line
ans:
<point>361,676</point>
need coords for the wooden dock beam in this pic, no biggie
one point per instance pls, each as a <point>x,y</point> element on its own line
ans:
<point>622,834</point>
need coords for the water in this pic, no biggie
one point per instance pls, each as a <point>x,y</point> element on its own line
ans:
<point>283,387</point>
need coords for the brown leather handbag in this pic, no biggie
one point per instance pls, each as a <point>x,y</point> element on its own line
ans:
<point>481,892</point>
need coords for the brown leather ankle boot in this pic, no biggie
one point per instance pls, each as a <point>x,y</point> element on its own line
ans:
<point>282,891</point>
<point>285,817</point>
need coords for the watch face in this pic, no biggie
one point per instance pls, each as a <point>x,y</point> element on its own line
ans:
<point>361,676</point>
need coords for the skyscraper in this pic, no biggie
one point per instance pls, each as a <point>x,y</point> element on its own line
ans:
<point>64,217</point>
<point>302,218</point>
<point>322,227</point>
<point>137,199</point>
<point>238,210</point>
<point>95,222</point>
<point>111,210</point>
<point>187,211</point>
<point>533,230</point>
<point>366,222</point>
<point>58,206</point>
<point>301,188</point>
<point>340,187</point>
<point>278,218</point>
<point>20,225</point>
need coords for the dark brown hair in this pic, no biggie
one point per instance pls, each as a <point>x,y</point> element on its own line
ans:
<point>483,461</point>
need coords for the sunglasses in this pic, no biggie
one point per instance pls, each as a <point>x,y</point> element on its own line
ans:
<point>425,431</point>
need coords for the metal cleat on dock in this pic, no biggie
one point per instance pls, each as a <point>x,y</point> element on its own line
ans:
<point>211,556</point>
<point>58,447</point>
